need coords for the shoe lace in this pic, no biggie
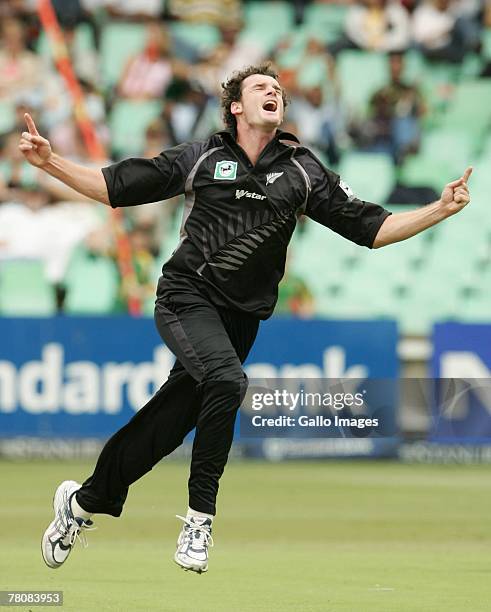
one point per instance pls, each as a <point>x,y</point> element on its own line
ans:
<point>201,534</point>
<point>77,530</point>
<point>72,529</point>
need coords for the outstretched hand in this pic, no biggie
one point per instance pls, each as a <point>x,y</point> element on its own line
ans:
<point>35,148</point>
<point>455,195</point>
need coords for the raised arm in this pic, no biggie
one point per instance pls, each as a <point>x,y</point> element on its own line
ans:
<point>37,150</point>
<point>400,226</point>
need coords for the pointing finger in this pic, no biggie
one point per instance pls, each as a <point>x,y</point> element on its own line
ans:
<point>31,125</point>
<point>467,174</point>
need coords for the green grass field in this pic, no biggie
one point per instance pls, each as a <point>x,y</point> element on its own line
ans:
<point>356,537</point>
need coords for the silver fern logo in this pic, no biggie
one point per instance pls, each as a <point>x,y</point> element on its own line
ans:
<point>272,176</point>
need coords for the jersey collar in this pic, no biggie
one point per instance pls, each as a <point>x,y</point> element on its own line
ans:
<point>231,135</point>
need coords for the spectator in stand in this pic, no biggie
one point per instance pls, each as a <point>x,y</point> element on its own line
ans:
<point>207,72</point>
<point>156,139</point>
<point>143,258</point>
<point>33,227</point>
<point>294,295</point>
<point>85,61</point>
<point>299,8</point>
<point>134,10</point>
<point>409,5</point>
<point>26,12</point>
<point>396,110</point>
<point>211,11</point>
<point>446,30</point>
<point>148,74</point>
<point>35,220</point>
<point>375,25</point>
<point>486,71</point>
<point>70,13</point>
<point>18,8</point>
<point>315,98</point>
<point>188,112</point>
<point>63,128</point>
<point>231,54</point>
<point>318,120</point>
<point>22,233</point>
<point>21,181</point>
<point>239,52</point>
<point>20,70</point>
<point>157,218</point>
<point>16,175</point>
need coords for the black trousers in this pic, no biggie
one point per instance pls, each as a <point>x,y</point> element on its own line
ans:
<point>204,390</point>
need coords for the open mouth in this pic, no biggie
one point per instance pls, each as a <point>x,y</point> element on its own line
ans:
<point>270,106</point>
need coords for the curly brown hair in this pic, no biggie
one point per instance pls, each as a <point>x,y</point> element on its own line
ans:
<point>232,90</point>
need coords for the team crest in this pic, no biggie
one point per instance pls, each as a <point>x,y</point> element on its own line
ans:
<point>272,176</point>
<point>226,170</point>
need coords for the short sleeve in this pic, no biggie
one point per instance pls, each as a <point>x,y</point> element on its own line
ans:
<point>136,181</point>
<point>333,204</point>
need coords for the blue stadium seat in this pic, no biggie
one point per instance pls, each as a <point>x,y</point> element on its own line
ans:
<point>266,23</point>
<point>92,284</point>
<point>7,116</point>
<point>370,175</point>
<point>119,41</point>
<point>470,108</point>
<point>24,289</point>
<point>360,75</point>
<point>324,21</point>
<point>486,43</point>
<point>203,37</point>
<point>128,122</point>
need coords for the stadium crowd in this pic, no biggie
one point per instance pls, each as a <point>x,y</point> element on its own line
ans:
<point>151,72</point>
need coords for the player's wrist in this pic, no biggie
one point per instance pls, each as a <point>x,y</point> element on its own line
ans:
<point>47,163</point>
<point>452,209</point>
<point>443,209</point>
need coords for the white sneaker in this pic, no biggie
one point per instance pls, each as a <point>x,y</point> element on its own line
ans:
<point>61,534</point>
<point>192,544</point>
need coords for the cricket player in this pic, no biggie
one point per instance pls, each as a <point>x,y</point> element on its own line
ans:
<point>244,189</point>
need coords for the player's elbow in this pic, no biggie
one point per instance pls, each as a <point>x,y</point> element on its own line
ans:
<point>379,240</point>
<point>102,189</point>
<point>103,196</point>
<point>382,236</point>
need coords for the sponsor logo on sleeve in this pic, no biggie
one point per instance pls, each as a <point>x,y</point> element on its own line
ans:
<point>347,189</point>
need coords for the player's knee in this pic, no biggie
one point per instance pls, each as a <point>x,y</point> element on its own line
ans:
<point>243,383</point>
<point>233,386</point>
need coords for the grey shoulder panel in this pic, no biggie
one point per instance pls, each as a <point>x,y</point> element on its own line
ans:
<point>306,178</point>
<point>188,189</point>
<point>194,169</point>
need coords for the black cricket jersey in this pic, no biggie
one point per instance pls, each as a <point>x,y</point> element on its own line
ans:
<point>238,217</point>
